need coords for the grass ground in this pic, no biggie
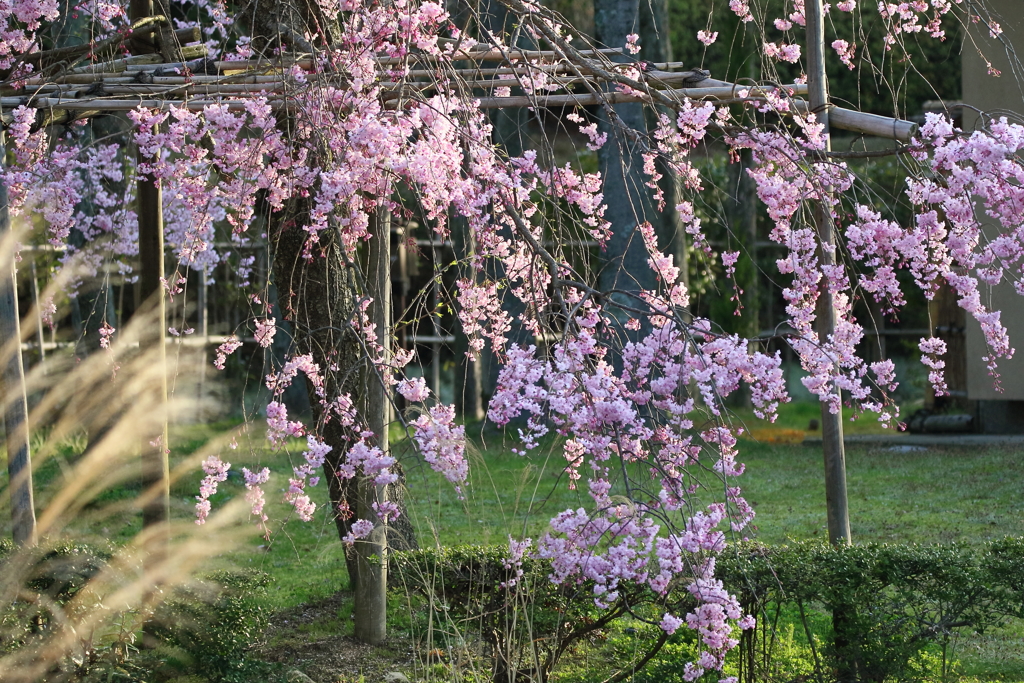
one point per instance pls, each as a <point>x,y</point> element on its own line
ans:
<point>931,496</point>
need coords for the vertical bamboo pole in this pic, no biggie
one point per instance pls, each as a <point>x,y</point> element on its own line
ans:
<point>831,425</point>
<point>203,326</point>
<point>13,396</point>
<point>39,317</point>
<point>435,346</point>
<point>469,403</point>
<point>371,552</point>
<point>151,258</point>
<point>155,475</point>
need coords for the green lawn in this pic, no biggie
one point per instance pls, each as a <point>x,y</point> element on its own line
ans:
<point>931,496</point>
<point>935,495</point>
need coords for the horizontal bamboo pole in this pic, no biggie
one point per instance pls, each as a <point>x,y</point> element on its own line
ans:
<point>497,55</point>
<point>65,97</point>
<point>197,89</point>
<point>145,62</point>
<point>120,78</point>
<point>74,53</point>
<point>525,68</point>
<point>60,101</point>
<point>868,124</point>
<point>117,76</point>
<point>695,92</point>
<point>520,69</point>
<point>117,65</point>
<point>490,55</point>
<point>122,105</point>
<point>190,53</point>
<point>118,84</point>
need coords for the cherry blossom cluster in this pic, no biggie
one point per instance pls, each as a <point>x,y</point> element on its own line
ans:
<point>314,456</point>
<point>908,17</point>
<point>216,471</point>
<point>69,186</point>
<point>482,316</point>
<point>19,21</point>
<point>945,245</point>
<point>643,414</point>
<point>788,179</point>
<point>442,443</point>
<point>215,21</point>
<point>255,497</point>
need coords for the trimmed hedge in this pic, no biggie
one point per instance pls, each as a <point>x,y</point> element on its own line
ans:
<point>874,609</point>
<point>886,603</point>
<point>526,622</point>
<point>49,578</point>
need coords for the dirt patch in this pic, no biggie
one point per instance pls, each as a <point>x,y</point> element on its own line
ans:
<point>315,639</point>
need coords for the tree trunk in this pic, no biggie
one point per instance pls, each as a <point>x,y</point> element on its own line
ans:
<point>741,211</point>
<point>468,370</point>
<point>510,132</point>
<point>318,298</point>
<point>372,552</point>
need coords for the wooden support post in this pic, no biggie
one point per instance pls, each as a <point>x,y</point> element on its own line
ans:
<point>203,328</point>
<point>155,476</point>
<point>469,403</point>
<point>831,425</point>
<point>156,491</point>
<point>371,552</point>
<point>435,346</point>
<point>39,317</point>
<point>13,396</point>
<point>155,469</point>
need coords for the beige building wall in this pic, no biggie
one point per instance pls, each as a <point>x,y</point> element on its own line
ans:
<point>997,96</point>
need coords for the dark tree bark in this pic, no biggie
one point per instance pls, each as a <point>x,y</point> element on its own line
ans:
<point>13,400</point>
<point>469,403</point>
<point>656,43</point>
<point>741,212</point>
<point>318,298</point>
<point>510,133</point>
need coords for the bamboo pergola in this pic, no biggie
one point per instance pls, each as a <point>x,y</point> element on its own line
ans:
<point>72,84</point>
<point>165,70</point>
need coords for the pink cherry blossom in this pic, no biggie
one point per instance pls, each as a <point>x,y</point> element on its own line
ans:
<point>707,37</point>
<point>216,472</point>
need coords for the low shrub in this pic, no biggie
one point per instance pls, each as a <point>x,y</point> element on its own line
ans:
<point>211,626</point>
<point>886,604</point>
<point>868,612</point>
<point>205,628</point>
<point>525,622</point>
<point>39,587</point>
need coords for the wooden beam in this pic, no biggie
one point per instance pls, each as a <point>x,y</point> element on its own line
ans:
<point>156,494</point>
